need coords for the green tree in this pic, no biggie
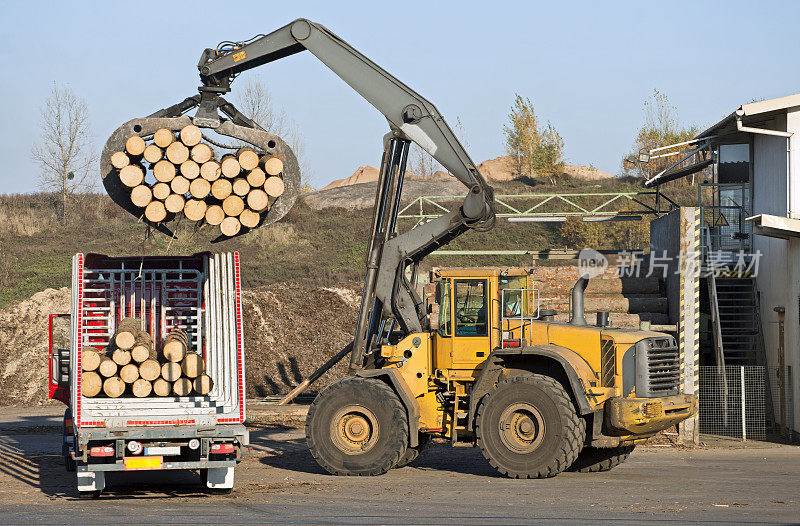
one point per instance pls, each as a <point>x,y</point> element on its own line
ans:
<point>661,128</point>
<point>532,151</point>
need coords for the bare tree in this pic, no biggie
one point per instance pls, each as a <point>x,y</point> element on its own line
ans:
<point>255,101</point>
<point>64,151</point>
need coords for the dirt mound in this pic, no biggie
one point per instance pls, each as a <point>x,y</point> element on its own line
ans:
<point>23,346</point>
<point>501,169</point>
<point>362,195</point>
<point>290,330</point>
<point>364,174</point>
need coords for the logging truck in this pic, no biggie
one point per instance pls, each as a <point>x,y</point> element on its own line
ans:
<point>185,411</point>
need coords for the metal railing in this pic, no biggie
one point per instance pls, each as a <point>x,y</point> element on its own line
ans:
<point>560,205</point>
<point>530,302</point>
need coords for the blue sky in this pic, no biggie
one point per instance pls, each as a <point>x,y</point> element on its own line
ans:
<point>587,67</point>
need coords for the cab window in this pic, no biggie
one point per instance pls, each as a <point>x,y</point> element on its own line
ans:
<point>443,299</point>
<point>513,300</point>
<point>471,312</point>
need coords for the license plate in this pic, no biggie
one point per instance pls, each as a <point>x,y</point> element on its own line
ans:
<point>142,463</point>
<point>162,450</point>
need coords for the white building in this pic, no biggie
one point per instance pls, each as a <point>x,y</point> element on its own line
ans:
<point>757,189</point>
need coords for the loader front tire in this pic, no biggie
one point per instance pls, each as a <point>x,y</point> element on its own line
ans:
<point>598,459</point>
<point>357,426</point>
<point>527,427</point>
<point>412,453</point>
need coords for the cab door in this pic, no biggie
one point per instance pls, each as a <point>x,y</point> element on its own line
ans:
<point>471,322</point>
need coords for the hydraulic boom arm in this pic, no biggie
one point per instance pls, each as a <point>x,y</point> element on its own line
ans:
<point>388,295</point>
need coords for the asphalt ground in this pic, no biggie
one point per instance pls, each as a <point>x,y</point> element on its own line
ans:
<point>279,483</point>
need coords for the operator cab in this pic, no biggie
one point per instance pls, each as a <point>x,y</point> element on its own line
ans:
<point>480,309</point>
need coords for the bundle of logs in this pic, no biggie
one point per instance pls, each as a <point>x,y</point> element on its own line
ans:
<point>230,192</point>
<point>131,363</point>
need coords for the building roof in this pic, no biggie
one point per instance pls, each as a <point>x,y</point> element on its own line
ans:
<point>752,114</point>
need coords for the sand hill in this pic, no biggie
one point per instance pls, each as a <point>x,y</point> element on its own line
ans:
<point>497,169</point>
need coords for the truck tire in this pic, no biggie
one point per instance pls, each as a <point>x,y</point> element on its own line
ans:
<point>527,427</point>
<point>357,426</point>
<point>597,459</point>
<point>412,453</point>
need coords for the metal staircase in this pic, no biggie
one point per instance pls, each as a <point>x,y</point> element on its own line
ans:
<point>739,321</point>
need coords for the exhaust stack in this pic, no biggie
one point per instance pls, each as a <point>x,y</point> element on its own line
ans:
<point>577,317</point>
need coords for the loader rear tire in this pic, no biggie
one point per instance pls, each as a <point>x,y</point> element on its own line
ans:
<point>527,427</point>
<point>357,426</point>
<point>598,459</point>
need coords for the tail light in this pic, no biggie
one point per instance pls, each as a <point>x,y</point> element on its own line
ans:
<point>101,451</point>
<point>221,449</point>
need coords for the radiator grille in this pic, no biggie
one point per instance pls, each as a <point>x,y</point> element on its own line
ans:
<point>608,363</point>
<point>662,367</point>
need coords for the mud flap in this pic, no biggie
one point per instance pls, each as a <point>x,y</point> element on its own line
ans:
<point>220,478</point>
<point>91,480</point>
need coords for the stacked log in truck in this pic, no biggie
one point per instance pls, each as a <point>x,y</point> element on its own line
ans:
<point>130,364</point>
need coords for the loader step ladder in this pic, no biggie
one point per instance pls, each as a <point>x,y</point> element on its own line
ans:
<point>459,417</point>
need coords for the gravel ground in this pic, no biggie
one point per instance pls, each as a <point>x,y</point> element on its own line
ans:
<point>279,482</point>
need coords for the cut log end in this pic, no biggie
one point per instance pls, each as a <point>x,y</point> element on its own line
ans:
<point>121,356</point>
<point>202,153</point>
<point>256,177</point>
<point>214,215</point>
<point>107,367</point>
<point>120,160</point>
<point>182,387</point>
<point>195,210</point>
<point>149,370</point>
<point>171,371</point>
<point>177,153</point>
<point>174,203</point>
<point>190,169</point>
<point>210,170</point>
<point>192,365</point>
<point>161,191</point>
<point>221,188</point>
<point>131,175</point>
<point>258,200</point>
<point>273,166</point>
<point>164,171</point>
<point>230,226</point>
<point>91,384</point>
<point>141,388</point>
<point>129,373</point>
<point>153,154</point>
<point>163,138</point>
<point>141,195</point>
<point>240,186</point>
<point>233,205</point>
<point>191,135</point>
<point>249,219</point>
<point>230,166</point>
<point>162,387</point>
<point>135,145</point>
<point>113,387</point>
<point>179,185</point>
<point>248,159</point>
<point>203,384</point>
<point>200,188</point>
<point>90,359</point>
<point>274,186</point>
<point>155,212</point>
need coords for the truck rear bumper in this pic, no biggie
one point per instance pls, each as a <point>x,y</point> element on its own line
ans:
<point>646,416</point>
<point>201,464</point>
